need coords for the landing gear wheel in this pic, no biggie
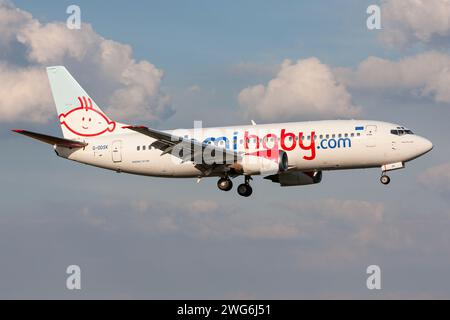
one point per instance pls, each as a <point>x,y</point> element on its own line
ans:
<point>244,190</point>
<point>224,184</point>
<point>385,179</point>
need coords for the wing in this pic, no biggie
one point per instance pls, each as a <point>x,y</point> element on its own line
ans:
<point>60,142</point>
<point>203,155</point>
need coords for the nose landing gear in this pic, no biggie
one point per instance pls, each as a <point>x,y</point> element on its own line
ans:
<point>384,179</point>
<point>245,189</point>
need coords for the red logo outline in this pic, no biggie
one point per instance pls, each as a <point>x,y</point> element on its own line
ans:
<point>84,105</point>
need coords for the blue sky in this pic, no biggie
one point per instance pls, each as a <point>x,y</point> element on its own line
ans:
<point>178,41</point>
<point>140,237</point>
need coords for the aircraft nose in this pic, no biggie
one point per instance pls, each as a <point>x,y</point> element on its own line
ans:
<point>425,145</point>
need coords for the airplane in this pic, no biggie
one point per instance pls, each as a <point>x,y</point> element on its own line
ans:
<point>290,154</point>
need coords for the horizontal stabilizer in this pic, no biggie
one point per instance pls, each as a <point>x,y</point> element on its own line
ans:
<point>60,142</point>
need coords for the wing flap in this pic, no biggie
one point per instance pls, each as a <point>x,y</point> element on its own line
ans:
<point>60,142</point>
<point>167,142</point>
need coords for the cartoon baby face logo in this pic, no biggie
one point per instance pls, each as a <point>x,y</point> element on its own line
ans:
<point>86,121</point>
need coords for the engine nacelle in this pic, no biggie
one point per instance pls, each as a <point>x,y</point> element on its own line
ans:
<point>262,164</point>
<point>296,178</point>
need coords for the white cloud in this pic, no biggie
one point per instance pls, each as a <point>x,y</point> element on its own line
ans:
<point>203,206</point>
<point>23,94</point>
<point>347,220</point>
<point>307,88</point>
<point>11,20</point>
<point>406,22</point>
<point>130,88</point>
<point>360,218</point>
<point>424,74</point>
<point>437,178</point>
<point>318,232</point>
<point>342,232</point>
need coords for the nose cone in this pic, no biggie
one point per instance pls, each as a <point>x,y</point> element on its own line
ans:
<point>424,145</point>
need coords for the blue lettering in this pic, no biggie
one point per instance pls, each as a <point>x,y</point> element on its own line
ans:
<point>225,140</point>
<point>332,146</point>
<point>344,143</point>
<point>235,141</point>
<point>207,140</point>
<point>335,143</point>
<point>216,141</point>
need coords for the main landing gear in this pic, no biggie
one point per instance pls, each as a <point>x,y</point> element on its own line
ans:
<point>245,190</point>
<point>384,179</point>
<point>225,184</point>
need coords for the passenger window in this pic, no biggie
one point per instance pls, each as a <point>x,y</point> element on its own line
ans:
<point>346,135</point>
<point>352,135</point>
<point>327,136</point>
<point>358,134</point>
<point>143,148</point>
<point>340,135</point>
<point>321,136</point>
<point>138,148</point>
<point>149,147</point>
<point>334,136</point>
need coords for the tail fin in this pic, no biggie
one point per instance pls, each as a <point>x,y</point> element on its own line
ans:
<point>78,113</point>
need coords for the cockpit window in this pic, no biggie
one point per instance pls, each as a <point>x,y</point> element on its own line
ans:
<point>401,132</point>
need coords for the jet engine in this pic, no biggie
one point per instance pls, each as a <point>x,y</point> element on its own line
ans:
<point>296,178</point>
<point>259,163</point>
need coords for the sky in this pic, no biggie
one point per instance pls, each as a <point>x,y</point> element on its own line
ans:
<point>225,63</point>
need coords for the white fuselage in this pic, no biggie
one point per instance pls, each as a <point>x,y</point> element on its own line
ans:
<point>336,144</point>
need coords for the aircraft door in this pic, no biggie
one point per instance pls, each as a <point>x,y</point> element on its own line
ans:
<point>371,131</point>
<point>117,151</point>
